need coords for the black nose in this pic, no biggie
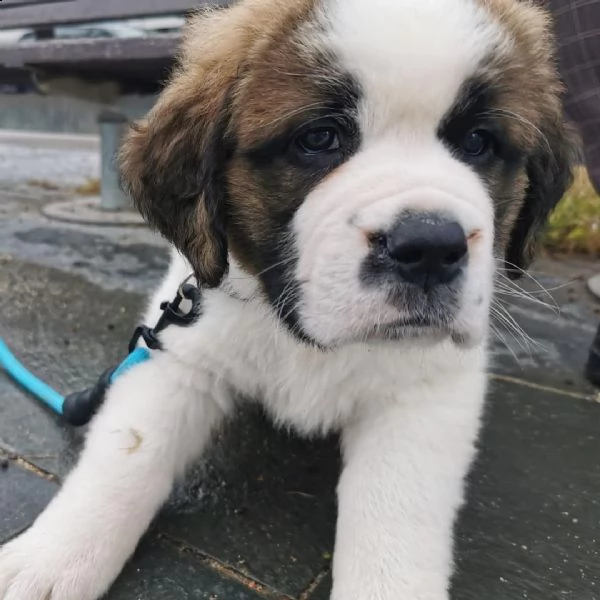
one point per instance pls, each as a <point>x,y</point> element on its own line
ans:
<point>428,250</point>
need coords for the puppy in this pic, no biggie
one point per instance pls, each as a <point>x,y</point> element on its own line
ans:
<point>344,177</point>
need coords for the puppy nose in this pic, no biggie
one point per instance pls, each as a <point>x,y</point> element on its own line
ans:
<point>428,250</point>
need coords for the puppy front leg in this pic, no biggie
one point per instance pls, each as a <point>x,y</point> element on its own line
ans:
<point>155,420</point>
<point>399,492</point>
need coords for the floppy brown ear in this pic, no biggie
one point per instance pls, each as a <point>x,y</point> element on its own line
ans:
<point>169,167</point>
<point>172,163</point>
<point>550,173</point>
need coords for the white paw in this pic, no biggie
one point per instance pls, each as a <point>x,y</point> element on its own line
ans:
<point>40,565</point>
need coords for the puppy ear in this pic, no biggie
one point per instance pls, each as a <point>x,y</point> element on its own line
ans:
<point>550,174</point>
<point>169,167</point>
<point>172,163</point>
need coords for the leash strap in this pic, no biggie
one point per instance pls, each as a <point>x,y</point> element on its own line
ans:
<point>79,408</point>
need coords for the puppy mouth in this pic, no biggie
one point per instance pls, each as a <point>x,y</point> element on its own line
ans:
<point>416,327</point>
<point>405,318</point>
<point>421,330</point>
<point>421,315</point>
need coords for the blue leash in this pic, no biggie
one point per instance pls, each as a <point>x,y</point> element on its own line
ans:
<point>29,381</point>
<point>78,408</point>
<point>69,407</point>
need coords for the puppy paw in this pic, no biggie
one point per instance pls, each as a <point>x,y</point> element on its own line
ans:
<point>41,565</point>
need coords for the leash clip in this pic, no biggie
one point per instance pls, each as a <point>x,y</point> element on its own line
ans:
<point>78,408</point>
<point>171,315</point>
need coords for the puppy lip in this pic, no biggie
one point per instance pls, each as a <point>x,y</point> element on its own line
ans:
<point>412,326</point>
<point>416,322</point>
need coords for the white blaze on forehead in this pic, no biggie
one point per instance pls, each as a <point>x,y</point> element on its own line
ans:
<point>409,56</point>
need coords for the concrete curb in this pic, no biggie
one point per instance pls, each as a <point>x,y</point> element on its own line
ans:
<point>88,211</point>
<point>58,141</point>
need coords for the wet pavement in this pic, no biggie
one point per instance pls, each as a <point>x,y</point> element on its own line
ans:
<point>256,518</point>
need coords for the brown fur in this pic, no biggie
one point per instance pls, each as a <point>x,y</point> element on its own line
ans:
<point>528,90</point>
<point>299,87</point>
<point>244,76</point>
<point>525,76</point>
<point>170,160</point>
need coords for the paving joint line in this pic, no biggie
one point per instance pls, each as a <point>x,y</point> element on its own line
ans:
<point>224,569</point>
<point>314,584</point>
<point>6,455</point>
<point>594,398</point>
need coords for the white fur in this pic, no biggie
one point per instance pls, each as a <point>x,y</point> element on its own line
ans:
<point>157,418</point>
<point>369,192</point>
<point>411,57</point>
<point>409,416</point>
<point>408,412</point>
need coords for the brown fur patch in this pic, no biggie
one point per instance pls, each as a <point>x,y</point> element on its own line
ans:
<point>528,93</point>
<point>524,72</point>
<point>246,76</point>
<point>172,162</point>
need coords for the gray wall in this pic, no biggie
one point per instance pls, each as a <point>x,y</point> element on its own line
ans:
<point>36,112</point>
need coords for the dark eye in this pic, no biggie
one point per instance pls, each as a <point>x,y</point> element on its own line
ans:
<point>317,140</point>
<point>477,142</point>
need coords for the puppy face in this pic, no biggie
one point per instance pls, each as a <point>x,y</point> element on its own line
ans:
<point>369,161</point>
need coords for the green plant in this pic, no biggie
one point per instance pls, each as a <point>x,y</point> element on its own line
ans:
<point>574,226</point>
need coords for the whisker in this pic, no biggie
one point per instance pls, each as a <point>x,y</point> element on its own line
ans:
<point>286,295</point>
<point>266,270</point>
<point>502,339</point>
<point>524,121</point>
<point>530,277</point>
<point>545,290</point>
<point>511,324</point>
<point>285,261</point>
<point>504,290</point>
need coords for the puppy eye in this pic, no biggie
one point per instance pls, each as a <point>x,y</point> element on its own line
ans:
<point>477,142</point>
<point>318,140</point>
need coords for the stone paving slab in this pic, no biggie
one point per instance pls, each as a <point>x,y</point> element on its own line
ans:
<point>531,527</point>
<point>23,495</point>
<point>557,327</point>
<point>67,332</point>
<point>114,258</point>
<point>266,504</point>
<point>555,357</point>
<point>323,588</point>
<point>161,572</point>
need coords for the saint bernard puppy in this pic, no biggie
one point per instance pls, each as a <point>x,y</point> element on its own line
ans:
<point>344,178</point>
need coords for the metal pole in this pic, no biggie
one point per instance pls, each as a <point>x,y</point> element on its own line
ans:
<point>112,126</point>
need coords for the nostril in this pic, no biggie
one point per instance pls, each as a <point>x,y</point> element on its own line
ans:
<point>454,256</point>
<point>378,240</point>
<point>409,255</point>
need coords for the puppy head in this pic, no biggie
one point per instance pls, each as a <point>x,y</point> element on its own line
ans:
<point>368,161</point>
